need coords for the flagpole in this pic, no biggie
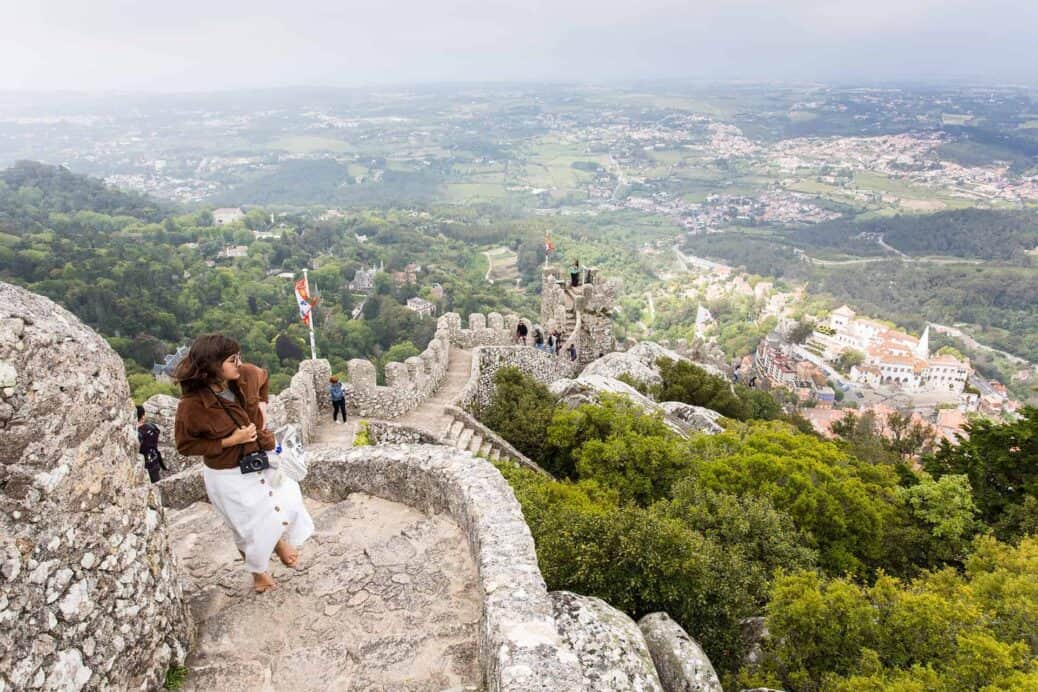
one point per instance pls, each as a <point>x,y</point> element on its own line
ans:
<point>310,316</point>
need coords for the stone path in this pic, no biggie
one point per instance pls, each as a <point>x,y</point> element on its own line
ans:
<point>428,417</point>
<point>386,598</point>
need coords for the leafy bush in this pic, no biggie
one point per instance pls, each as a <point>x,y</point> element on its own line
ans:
<point>686,382</point>
<point>841,504</point>
<point>1001,463</point>
<point>620,446</point>
<point>638,560</point>
<point>520,411</point>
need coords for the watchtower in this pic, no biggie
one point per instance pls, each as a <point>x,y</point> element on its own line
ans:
<point>583,313</point>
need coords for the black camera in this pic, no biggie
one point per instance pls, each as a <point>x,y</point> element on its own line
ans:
<point>254,462</point>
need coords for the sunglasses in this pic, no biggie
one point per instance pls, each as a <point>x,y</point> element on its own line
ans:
<point>236,359</point>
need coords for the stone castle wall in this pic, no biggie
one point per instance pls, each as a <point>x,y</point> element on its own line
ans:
<point>486,361</point>
<point>408,384</point>
<point>492,329</point>
<point>520,648</point>
<point>89,595</point>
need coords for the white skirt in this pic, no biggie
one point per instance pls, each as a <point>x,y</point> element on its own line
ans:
<point>258,512</point>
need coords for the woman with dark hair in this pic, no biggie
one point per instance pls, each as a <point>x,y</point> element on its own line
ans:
<point>222,417</point>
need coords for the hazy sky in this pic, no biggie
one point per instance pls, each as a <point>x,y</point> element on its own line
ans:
<point>216,44</point>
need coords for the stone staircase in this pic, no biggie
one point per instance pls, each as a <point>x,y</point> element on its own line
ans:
<point>466,433</point>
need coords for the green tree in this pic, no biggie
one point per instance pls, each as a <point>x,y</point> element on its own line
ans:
<point>520,411</point>
<point>849,359</point>
<point>841,503</point>
<point>1001,463</point>
<point>802,331</point>
<point>944,630</point>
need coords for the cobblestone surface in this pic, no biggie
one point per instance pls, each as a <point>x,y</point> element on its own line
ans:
<point>385,598</point>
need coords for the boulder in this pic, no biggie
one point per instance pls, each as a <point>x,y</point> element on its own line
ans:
<point>754,632</point>
<point>683,419</point>
<point>88,591</point>
<point>681,663</point>
<point>610,647</point>
<point>693,418</point>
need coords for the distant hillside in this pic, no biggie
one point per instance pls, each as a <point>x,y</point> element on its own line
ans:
<point>31,191</point>
<point>968,233</point>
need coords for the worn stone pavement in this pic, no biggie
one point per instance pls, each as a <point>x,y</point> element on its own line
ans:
<point>385,598</point>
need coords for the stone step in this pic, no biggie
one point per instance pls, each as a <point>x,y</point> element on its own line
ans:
<point>475,443</point>
<point>455,430</point>
<point>462,441</point>
<point>484,451</point>
<point>495,454</point>
<point>445,434</point>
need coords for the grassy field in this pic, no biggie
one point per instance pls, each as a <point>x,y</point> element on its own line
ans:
<point>306,144</point>
<point>504,264</point>
<point>471,193</point>
<point>549,165</point>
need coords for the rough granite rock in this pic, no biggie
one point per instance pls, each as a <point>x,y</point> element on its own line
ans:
<point>754,632</point>
<point>683,419</point>
<point>681,663</point>
<point>612,650</point>
<point>639,362</point>
<point>89,597</point>
<point>693,418</point>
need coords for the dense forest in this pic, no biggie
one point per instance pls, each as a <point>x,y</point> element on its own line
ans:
<point>870,571</point>
<point>150,279</point>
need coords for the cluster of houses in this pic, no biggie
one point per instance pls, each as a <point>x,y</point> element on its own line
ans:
<point>891,357</point>
<point>775,362</point>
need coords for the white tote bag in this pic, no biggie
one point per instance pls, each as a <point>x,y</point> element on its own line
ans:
<point>289,455</point>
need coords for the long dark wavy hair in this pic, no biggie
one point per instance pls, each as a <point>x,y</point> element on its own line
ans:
<point>200,368</point>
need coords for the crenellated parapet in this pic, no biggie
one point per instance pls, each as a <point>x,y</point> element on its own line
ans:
<point>491,329</point>
<point>408,384</point>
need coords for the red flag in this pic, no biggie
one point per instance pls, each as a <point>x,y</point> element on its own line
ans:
<point>304,301</point>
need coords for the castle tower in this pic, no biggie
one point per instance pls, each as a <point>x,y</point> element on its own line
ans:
<point>583,312</point>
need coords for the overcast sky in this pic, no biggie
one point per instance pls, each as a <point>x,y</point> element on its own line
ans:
<point>189,45</point>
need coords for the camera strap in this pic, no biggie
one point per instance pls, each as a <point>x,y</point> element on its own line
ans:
<point>234,419</point>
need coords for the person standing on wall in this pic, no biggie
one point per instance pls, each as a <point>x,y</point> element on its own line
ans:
<point>574,273</point>
<point>338,399</point>
<point>222,417</point>
<point>148,437</point>
<point>520,333</point>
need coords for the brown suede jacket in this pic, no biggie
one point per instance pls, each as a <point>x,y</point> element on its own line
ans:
<point>202,422</point>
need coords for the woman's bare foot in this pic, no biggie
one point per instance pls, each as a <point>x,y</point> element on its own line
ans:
<point>263,582</point>
<point>288,555</point>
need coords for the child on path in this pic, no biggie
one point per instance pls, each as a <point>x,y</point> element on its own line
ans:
<point>338,399</point>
